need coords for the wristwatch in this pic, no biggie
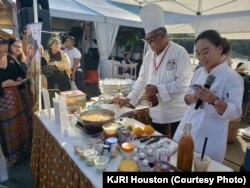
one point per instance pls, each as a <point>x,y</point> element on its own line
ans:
<point>216,101</point>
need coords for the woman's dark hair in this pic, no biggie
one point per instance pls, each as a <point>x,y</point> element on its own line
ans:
<point>21,56</point>
<point>239,64</point>
<point>215,38</point>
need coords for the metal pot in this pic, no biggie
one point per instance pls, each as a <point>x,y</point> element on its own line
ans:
<point>100,117</point>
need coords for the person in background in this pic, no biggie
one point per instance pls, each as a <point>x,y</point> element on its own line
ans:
<point>55,67</point>
<point>24,35</point>
<point>16,52</point>
<point>74,57</point>
<point>15,129</point>
<point>240,67</point>
<point>125,61</point>
<point>164,76</point>
<point>221,103</point>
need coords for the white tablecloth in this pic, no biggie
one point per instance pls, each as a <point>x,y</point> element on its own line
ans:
<point>95,177</point>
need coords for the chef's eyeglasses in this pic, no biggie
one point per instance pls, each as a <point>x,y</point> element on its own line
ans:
<point>3,41</point>
<point>149,40</point>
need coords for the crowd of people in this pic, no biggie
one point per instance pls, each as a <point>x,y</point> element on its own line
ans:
<point>59,68</point>
<point>166,77</point>
<point>15,112</point>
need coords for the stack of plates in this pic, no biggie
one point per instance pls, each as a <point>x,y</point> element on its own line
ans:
<point>113,87</point>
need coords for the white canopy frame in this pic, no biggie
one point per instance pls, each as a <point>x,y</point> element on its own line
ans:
<point>226,16</point>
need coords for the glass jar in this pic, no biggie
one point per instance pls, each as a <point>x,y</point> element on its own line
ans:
<point>185,150</point>
<point>127,163</point>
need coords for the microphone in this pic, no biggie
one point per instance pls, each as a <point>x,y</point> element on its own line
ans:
<point>209,82</point>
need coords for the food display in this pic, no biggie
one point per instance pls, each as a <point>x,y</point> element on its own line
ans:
<point>95,117</point>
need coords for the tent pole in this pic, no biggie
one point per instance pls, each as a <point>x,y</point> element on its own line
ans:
<point>35,11</point>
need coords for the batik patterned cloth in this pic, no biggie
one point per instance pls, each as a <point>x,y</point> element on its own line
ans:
<point>15,129</point>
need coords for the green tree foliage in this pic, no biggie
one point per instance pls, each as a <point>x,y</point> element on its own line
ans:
<point>241,47</point>
<point>130,38</point>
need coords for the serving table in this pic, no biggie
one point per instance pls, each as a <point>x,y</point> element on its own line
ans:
<point>55,164</point>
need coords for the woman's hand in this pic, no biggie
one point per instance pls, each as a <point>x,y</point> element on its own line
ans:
<point>205,94</point>
<point>11,83</point>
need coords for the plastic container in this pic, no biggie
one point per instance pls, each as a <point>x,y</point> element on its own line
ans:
<point>75,98</point>
<point>110,129</point>
<point>90,156</point>
<point>101,163</point>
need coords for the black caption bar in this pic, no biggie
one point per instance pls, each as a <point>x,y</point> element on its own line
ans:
<point>113,179</point>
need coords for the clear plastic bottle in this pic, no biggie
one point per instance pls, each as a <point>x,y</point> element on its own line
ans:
<point>145,166</point>
<point>140,160</point>
<point>185,150</point>
<point>127,163</point>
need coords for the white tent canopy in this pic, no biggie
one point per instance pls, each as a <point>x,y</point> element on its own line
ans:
<point>113,14</point>
<point>227,16</point>
<point>232,25</point>
<point>93,10</point>
<point>69,9</point>
<point>194,7</point>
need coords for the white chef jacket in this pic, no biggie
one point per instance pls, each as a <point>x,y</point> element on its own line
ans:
<point>172,79</point>
<point>206,122</point>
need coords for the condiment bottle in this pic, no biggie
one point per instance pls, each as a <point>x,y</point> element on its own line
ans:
<point>185,150</point>
<point>127,163</point>
<point>112,141</point>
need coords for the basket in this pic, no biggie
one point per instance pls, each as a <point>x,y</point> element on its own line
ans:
<point>232,130</point>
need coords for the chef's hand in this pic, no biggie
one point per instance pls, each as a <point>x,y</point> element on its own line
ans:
<point>151,90</point>
<point>120,102</point>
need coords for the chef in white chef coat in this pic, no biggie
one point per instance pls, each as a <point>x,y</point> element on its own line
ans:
<point>220,104</point>
<point>165,73</point>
